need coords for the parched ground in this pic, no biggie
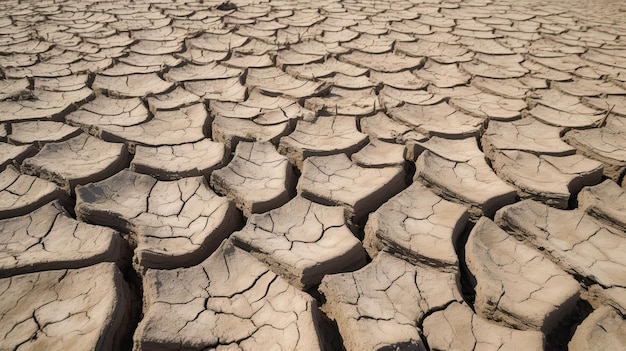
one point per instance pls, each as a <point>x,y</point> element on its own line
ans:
<point>312,175</point>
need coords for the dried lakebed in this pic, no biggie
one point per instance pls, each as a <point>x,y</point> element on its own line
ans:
<point>312,175</point>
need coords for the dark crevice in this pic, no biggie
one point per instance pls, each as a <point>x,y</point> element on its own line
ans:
<point>559,337</point>
<point>467,280</point>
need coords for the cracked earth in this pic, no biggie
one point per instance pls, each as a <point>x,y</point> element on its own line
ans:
<point>312,175</point>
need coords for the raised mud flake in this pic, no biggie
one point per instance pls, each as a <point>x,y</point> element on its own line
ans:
<point>439,52</point>
<point>133,85</point>
<point>289,57</point>
<point>391,97</point>
<point>88,308</point>
<point>157,47</point>
<point>574,240</point>
<point>382,305</point>
<point>185,125</point>
<point>349,102</point>
<point>372,44</point>
<point>191,72</point>
<point>437,120</point>
<point>419,226</point>
<point>563,110</point>
<point>14,88</point>
<point>443,75</point>
<point>387,62</point>
<point>549,179</point>
<point>482,104</point>
<point>302,241</point>
<point>498,68</point>
<point>229,300</point>
<point>257,179</point>
<point>603,329</point>
<point>21,193</point>
<point>508,88</point>
<point>104,111</point>
<point>272,80</point>
<point>201,57</point>
<point>229,89</point>
<point>123,69</point>
<point>325,69</point>
<point>41,132</point>
<point>606,202</point>
<point>399,80</point>
<point>176,98</point>
<point>606,144</point>
<point>458,328</point>
<point>14,154</point>
<point>615,103</point>
<point>41,104</point>
<point>527,135</point>
<point>231,131</point>
<point>378,153</point>
<point>48,238</point>
<point>336,180</point>
<point>320,137</point>
<point>457,171</point>
<point>516,284</point>
<point>179,161</point>
<point>380,126</point>
<point>79,160</point>
<point>590,87</point>
<point>174,223</point>
<point>485,46</point>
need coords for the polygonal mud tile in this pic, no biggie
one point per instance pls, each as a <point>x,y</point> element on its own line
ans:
<point>482,104</point>
<point>229,89</point>
<point>380,154</point>
<point>391,97</point>
<point>176,98</point>
<point>383,304</point>
<point>179,161</point>
<point>103,111</point>
<point>327,68</point>
<point>21,193</point>
<point>48,238</point>
<point>590,87</point>
<point>349,102</point>
<point>457,328</point>
<point>549,179</point>
<point>272,81</point>
<point>603,329</point>
<point>386,62</point>
<point>14,154</point>
<point>230,300</point>
<point>302,241</point>
<point>79,160</point>
<point>380,126</point>
<point>457,171</point>
<point>336,180</point>
<point>614,103</point>
<point>437,120</point>
<point>14,89</point>
<point>606,144</point>
<point>516,284</point>
<point>399,80</point>
<point>87,308</point>
<point>563,110</point>
<point>573,239</point>
<point>606,202</point>
<point>527,135</point>
<point>191,72</point>
<point>443,75</point>
<point>42,104</point>
<point>132,85</point>
<point>419,226</point>
<point>508,88</point>
<point>185,125</point>
<point>173,223</point>
<point>320,137</point>
<point>257,179</point>
<point>498,67</point>
<point>438,52</point>
<point>230,131</point>
<point>41,132</point>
